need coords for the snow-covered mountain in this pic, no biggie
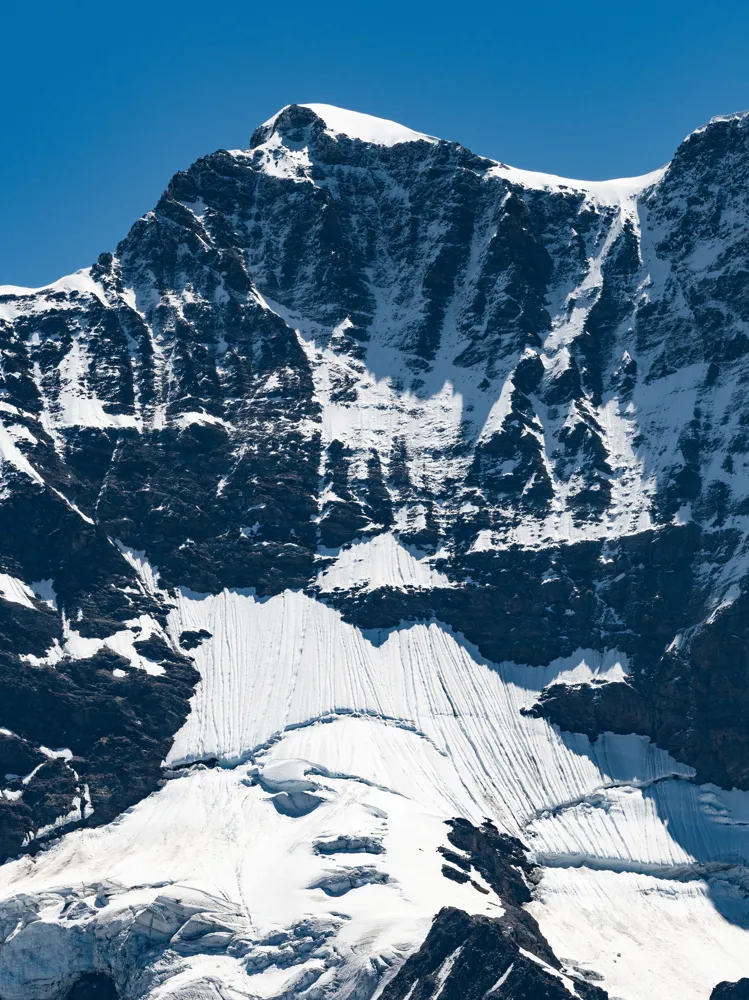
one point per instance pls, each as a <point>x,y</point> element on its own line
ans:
<point>374,532</point>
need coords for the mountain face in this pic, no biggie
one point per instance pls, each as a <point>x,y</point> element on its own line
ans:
<point>374,598</point>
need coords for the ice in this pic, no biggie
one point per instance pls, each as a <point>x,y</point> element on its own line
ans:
<point>266,874</point>
<point>420,712</point>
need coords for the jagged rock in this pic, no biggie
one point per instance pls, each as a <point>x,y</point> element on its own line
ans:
<point>593,709</point>
<point>731,991</point>
<point>466,957</point>
<point>343,880</point>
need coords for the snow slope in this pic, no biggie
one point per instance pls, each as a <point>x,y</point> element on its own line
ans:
<point>323,734</point>
<point>381,561</point>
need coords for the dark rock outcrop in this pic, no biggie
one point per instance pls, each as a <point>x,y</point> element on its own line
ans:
<point>731,991</point>
<point>94,986</point>
<point>466,956</point>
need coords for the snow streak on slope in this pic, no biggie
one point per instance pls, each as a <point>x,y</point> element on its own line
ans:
<point>291,663</point>
<point>13,589</point>
<point>76,405</point>
<point>10,453</point>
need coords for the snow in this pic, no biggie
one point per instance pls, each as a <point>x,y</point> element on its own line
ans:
<point>76,406</point>
<point>80,281</point>
<point>418,712</point>
<point>501,979</point>
<point>383,132</point>
<point>171,838</point>
<point>277,160</point>
<point>431,423</point>
<point>646,937</point>
<point>632,482</point>
<point>356,125</point>
<point>621,192</point>
<point>15,590</point>
<point>444,971</point>
<point>735,116</point>
<point>499,411</point>
<point>184,420</point>
<point>443,421</point>
<point>136,559</point>
<point>10,453</point>
<point>121,642</point>
<point>325,734</point>
<point>44,591</point>
<point>381,561</point>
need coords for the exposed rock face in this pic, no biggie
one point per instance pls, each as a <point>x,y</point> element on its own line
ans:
<point>731,991</point>
<point>93,986</point>
<point>410,385</point>
<point>466,956</point>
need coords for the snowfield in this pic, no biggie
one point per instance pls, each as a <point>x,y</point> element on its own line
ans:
<point>338,758</point>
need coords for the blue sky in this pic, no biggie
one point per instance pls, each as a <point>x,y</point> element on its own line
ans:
<point>102,103</point>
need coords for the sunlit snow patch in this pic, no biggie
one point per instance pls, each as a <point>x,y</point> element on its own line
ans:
<point>16,591</point>
<point>381,561</point>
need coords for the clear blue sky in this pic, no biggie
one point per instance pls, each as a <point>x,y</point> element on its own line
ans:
<point>103,102</point>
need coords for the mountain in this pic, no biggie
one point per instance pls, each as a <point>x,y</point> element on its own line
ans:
<point>374,531</point>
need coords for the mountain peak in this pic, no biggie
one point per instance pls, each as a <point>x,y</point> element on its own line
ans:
<point>337,122</point>
<point>411,491</point>
<point>295,126</point>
